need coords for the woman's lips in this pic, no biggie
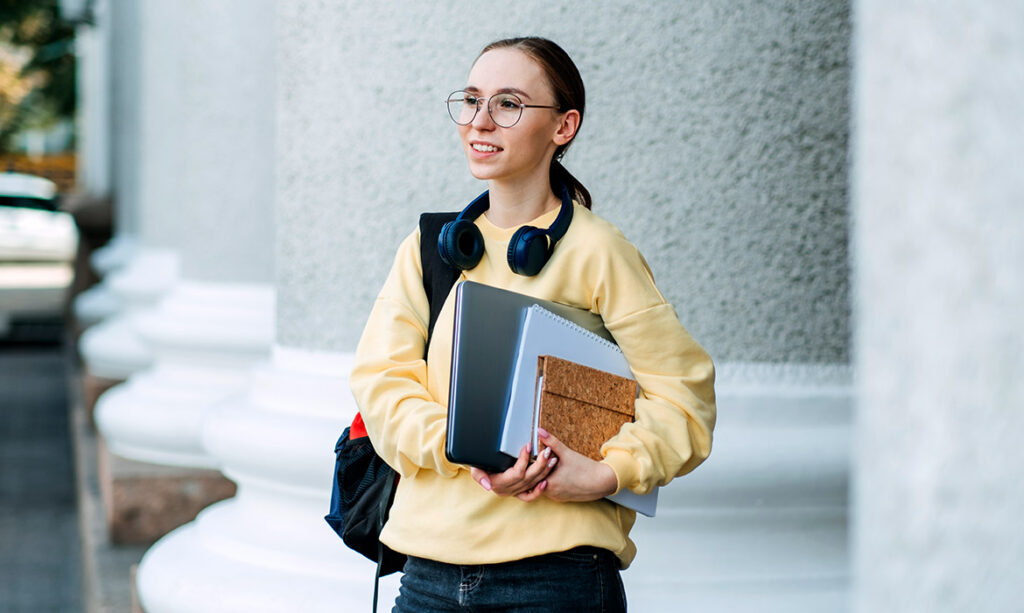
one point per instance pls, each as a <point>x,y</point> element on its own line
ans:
<point>484,150</point>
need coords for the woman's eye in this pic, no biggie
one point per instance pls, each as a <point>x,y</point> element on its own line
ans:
<point>507,104</point>
<point>471,100</point>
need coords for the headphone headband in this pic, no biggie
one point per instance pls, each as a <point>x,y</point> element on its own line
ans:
<point>561,224</point>
<point>476,208</point>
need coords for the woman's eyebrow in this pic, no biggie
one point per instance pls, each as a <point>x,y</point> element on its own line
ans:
<point>504,90</point>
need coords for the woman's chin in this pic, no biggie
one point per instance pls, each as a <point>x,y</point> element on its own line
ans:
<point>481,173</point>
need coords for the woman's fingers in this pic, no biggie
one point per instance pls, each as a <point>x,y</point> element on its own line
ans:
<point>504,483</point>
<point>535,493</point>
<point>557,446</point>
<point>515,481</point>
<point>518,470</point>
<point>539,470</point>
<point>521,478</point>
<point>579,478</point>
<point>480,477</point>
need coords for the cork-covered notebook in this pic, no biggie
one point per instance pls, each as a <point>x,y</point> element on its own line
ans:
<point>582,406</point>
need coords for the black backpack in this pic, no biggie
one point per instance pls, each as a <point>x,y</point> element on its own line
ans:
<point>364,485</point>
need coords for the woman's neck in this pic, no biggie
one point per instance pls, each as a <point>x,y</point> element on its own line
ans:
<point>513,204</point>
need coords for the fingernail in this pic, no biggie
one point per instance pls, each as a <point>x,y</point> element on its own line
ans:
<point>486,483</point>
<point>547,453</point>
<point>552,462</point>
<point>543,485</point>
<point>542,432</point>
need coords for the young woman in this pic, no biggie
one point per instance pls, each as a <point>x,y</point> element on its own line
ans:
<point>539,536</point>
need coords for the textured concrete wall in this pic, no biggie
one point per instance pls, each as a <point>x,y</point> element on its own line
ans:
<point>715,137</point>
<point>227,128</point>
<point>939,218</point>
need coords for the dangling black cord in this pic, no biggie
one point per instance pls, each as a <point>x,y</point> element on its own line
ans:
<point>385,500</point>
<point>376,577</point>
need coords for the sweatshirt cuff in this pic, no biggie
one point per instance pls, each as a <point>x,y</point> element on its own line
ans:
<point>625,466</point>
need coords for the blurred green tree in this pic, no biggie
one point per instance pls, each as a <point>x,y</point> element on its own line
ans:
<point>37,67</point>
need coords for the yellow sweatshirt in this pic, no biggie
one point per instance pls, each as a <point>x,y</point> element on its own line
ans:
<point>440,512</point>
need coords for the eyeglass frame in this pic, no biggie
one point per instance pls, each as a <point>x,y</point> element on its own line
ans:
<point>522,105</point>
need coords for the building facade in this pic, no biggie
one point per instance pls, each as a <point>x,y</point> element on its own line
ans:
<point>305,139</point>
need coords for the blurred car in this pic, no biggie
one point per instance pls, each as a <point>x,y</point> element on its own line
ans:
<point>37,250</point>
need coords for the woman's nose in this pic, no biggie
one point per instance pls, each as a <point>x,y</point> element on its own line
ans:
<point>483,120</point>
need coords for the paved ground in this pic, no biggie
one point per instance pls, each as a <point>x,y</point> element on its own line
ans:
<point>40,557</point>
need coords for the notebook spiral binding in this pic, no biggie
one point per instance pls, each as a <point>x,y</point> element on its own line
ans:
<point>588,333</point>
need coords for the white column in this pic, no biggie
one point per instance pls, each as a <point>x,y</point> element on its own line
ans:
<point>215,176</point>
<point>93,57</point>
<point>939,215</point>
<point>142,262</point>
<point>107,86</point>
<point>762,524</point>
<point>126,82</point>
<point>733,163</point>
<point>269,548</point>
<point>112,348</point>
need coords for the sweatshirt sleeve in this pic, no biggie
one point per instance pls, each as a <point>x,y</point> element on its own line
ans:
<point>389,378</point>
<point>675,413</point>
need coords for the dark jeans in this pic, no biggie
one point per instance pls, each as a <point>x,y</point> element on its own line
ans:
<point>581,579</point>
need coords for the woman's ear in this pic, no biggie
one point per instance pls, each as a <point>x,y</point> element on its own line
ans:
<point>567,127</point>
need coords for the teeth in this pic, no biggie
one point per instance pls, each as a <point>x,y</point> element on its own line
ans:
<point>484,148</point>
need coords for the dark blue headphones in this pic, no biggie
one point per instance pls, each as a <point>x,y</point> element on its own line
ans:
<point>461,245</point>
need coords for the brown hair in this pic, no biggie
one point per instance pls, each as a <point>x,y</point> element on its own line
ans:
<point>567,85</point>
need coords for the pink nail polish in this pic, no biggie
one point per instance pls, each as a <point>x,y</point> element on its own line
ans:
<point>552,462</point>
<point>542,432</point>
<point>486,483</point>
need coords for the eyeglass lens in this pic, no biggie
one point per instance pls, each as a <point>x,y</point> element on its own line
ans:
<point>505,109</point>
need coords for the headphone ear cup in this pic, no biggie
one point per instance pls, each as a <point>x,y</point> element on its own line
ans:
<point>460,244</point>
<point>528,251</point>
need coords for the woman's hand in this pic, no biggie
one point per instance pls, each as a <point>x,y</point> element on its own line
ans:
<point>523,480</point>
<point>578,478</point>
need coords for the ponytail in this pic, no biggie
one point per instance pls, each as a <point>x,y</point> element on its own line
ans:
<point>561,176</point>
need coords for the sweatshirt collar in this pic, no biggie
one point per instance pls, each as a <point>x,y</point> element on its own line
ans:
<point>494,233</point>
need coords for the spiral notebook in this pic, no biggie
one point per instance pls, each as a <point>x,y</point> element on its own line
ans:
<point>545,333</point>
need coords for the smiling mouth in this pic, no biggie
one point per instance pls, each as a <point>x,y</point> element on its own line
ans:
<point>484,148</point>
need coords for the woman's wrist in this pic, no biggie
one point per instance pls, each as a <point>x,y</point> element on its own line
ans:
<point>606,480</point>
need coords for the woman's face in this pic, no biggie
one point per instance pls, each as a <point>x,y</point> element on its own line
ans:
<point>523,151</point>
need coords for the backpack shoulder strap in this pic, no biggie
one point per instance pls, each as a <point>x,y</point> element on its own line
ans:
<point>438,280</point>
<point>438,277</point>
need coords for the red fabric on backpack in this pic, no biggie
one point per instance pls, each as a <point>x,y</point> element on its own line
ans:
<point>358,428</point>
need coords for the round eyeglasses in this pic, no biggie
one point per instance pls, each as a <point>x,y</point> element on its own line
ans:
<point>505,109</point>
